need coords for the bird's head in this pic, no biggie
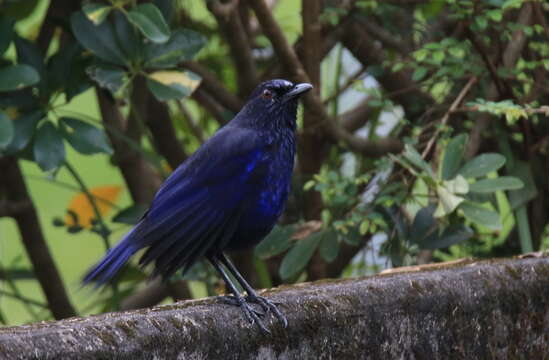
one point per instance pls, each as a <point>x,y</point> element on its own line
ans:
<point>273,103</point>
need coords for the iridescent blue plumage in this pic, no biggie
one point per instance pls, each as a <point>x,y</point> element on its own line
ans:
<point>227,196</point>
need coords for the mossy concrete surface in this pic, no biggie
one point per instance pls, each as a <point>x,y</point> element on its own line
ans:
<point>481,310</point>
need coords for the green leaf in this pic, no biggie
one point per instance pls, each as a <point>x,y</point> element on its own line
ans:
<point>96,13</point>
<point>364,227</point>
<point>100,39</point>
<point>24,127</point>
<point>167,8</point>
<point>15,77</point>
<point>497,184</point>
<point>482,22</point>
<point>419,73</point>
<point>453,156</point>
<point>448,202</point>
<point>276,242</point>
<point>411,154</point>
<point>420,55</point>
<point>108,77</point>
<point>481,198</point>
<point>481,215</point>
<point>65,71</point>
<point>49,150</point>
<point>438,56</point>
<point>424,224</point>
<point>482,165</point>
<point>329,245</point>
<point>457,52</point>
<point>6,130</point>
<point>172,85</point>
<point>29,54</point>
<point>83,137</point>
<point>353,237</point>
<point>309,185</point>
<point>453,234</point>
<point>130,215</point>
<point>297,258</point>
<point>129,38</point>
<point>522,170</point>
<point>18,10</point>
<point>458,185</point>
<point>6,33</point>
<point>182,45</point>
<point>149,20</point>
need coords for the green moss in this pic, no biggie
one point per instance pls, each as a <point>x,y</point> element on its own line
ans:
<point>106,335</point>
<point>178,324</point>
<point>417,287</point>
<point>128,327</point>
<point>515,273</point>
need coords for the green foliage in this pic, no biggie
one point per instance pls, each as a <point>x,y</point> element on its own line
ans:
<point>17,77</point>
<point>84,138</point>
<point>129,54</point>
<point>6,131</point>
<point>49,150</point>
<point>482,165</point>
<point>297,258</point>
<point>130,215</point>
<point>452,193</point>
<point>507,108</point>
<point>275,243</point>
<point>150,22</point>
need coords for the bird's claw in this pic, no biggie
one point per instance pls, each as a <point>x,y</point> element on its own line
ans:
<point>251,314</point>
<point>268,306</point>
<point>234,301</point>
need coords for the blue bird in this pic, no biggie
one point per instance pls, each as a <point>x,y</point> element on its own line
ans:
<point>227,196</point>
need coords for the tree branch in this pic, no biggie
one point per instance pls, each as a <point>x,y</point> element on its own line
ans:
<point>45,270</point>
<point>60,9</point>
<point>11,208</point>
<point>191,122</point>
<point>331,35</point>
<point>365,50</point>
<point>215,88</point>
<point>211,105</point>
<point>356,118</point>
<point>382,35</point>
<point>139,175</point>
<point>458,100</point>
<point>312,144</point>
<point>460,309</point>
<point>228,18</point>
<point>510,56</point>
<point>165,140</point>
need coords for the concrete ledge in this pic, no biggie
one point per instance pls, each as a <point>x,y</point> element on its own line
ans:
<point>480,310</point>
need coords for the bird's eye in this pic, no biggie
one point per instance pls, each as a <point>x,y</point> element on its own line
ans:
<point>267,94</point>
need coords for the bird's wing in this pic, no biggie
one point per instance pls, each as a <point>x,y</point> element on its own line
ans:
<point>198,205</point>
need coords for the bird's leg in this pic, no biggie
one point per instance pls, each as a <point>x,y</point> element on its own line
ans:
<point>266,304</point>
<point>239,300</point>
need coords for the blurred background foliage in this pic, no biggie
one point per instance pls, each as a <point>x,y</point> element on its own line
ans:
<point>426,138</point>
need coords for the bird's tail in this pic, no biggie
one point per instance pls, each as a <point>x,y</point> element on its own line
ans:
<point>113,261</point>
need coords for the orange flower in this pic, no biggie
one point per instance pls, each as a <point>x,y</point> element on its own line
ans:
<point>105,197</point>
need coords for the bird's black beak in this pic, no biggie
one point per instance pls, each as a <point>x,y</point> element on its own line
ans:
<point>297,90</point>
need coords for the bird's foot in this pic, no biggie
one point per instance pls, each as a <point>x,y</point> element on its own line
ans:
<point>267,306</point>
<point>231,300</point>
<point>251,314</point>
